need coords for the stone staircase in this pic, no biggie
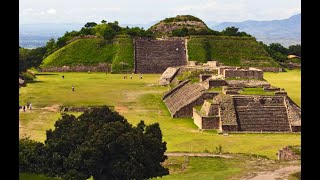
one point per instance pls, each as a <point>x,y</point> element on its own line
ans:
<point>182,97</point>
<point>155,56</point>
<point>261,113</point>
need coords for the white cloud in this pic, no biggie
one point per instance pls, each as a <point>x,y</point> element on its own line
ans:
<point>51,11</point>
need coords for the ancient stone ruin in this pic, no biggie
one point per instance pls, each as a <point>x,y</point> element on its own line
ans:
<point>181,99</point>
<point>228,110</point>
<point>155,56</point>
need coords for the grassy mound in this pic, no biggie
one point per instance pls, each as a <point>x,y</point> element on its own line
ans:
<point>118,53</point>
<point>81,51</point>
<point>232,51</point>
<point>123,60</point>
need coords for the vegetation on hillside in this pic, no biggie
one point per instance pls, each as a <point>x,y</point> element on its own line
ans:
<point>281,53</point>
<point>186,25</point>
<point>233,51</point>
<point>99,43</point>
<point>98,143</point>
<point>82,51</point>
<point>123,60</point>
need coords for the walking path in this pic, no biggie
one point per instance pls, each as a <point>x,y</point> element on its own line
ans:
<point>197,154</point>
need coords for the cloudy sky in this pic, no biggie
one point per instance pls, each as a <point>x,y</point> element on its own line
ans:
<point>146,11</point>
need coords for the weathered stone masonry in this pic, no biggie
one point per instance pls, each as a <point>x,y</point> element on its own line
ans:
<point>155,56</point>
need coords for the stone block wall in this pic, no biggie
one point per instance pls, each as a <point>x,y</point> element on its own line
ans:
<point>230,127</point>
<point>205,122</point>
<point>212,63</point>
<point>204,77</point>
<point>168,75</point>
<point>209,109</point>
<point>243,73</point>
<point>270,69</point>
<point>155,56</point>
<point>186,111</point>
<point>217,83</point>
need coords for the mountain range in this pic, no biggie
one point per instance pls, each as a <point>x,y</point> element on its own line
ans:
<point>286,32</point>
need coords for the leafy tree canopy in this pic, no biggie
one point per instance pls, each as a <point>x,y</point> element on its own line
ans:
<point>99,143</point>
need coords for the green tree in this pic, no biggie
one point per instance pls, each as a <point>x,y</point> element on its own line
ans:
<point>103,21</point>
<point>50,46</point>
<point>278,48</point>
<point>101,143</point>
<point>90,24</point>
<point>109,33</point>
<point>230,31</point>
<point>30,58</point>
<point>32,156</point>
<point>295,49</point>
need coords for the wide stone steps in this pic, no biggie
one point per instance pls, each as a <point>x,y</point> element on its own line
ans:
<point>156,56</point>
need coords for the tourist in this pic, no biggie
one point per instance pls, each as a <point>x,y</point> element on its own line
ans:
<point>62,76</point>
<point>130,76</point>
<point>72,88</point>
<point>140,76</point>
<point>24,108</point>
<point>30,106</point>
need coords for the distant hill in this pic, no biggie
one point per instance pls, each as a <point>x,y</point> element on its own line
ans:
<point>286,32</point>
<point>168,25</point>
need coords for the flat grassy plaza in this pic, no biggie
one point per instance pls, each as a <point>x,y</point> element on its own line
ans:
<point>140,99</point>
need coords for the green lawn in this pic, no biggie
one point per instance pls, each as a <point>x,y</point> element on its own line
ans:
<point>290,81</point>
<point>255,91</point>
<point>202,168</point>
<point>136,99</point>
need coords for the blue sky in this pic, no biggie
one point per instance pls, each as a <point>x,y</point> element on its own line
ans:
<point>146,11</point>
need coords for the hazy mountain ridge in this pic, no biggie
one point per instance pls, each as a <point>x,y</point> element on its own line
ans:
<point>286,32</point>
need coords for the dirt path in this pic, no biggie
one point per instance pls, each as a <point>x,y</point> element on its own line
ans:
<point>281,173</point>
<point>197,155</point>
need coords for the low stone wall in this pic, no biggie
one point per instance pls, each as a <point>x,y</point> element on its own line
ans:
<point>270,88</point>
<point>168,75</point>
<point>205,122</point>
<point>204,77</point>
<point>229,128</point>
<point>271,69</point>
<point>243,73</point>
<point>186,111</point>
<point>102,67</point>
<point>217,83</point>
<point>247,83</point>
<point>281,93</point>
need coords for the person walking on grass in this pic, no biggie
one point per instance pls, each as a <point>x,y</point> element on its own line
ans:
<point>72,88</point>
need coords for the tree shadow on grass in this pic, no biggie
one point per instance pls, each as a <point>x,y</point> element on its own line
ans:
<point>30,82</point>
<point>45,74</point>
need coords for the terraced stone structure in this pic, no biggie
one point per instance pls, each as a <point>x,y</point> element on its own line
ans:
<point>207,117</point>
<point>181,99</point>
<point>254,113</point>
<point>155,56</point>
<point>261,113</point>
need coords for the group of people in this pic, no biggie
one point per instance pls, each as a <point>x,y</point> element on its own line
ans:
<point>28,106</point>
<point>126,77</point>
